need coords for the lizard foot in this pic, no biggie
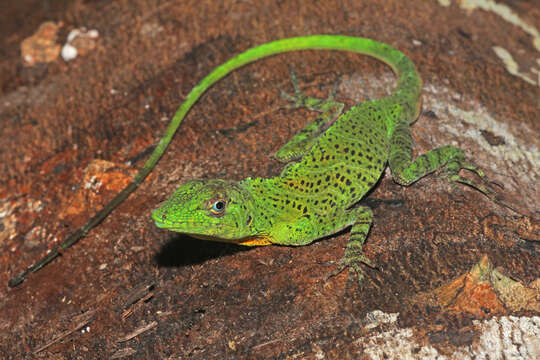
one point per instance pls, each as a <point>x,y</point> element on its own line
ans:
<point>353,262</point>
<point>300,100</point>
<point>484,185</point>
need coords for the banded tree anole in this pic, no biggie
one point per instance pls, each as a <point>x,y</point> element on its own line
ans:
<point>332,163</point>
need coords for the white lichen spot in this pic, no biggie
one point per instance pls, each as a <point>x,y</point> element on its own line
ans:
<point>68,52</point>
<point>506,337</point>
<point>523,156</point>
<point>377,317</point>
<point>513,161</point>
<point>93,33</point>
<point>509,337</point>
<point>79,41</point>
<point>151,30</point>
<point>511,65</point>
<point>72,35</point>
<point>93,184</point>
<point>396,343</point>
<point>8,219</point>
<point>320,354</point>
<point>506,13</point>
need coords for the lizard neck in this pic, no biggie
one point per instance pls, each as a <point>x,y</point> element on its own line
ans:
<point>267,204</point>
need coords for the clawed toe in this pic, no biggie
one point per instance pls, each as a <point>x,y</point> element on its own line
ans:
<point>355,268</point>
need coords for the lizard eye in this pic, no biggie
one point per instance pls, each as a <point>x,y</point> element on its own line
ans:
<point>218,207</point>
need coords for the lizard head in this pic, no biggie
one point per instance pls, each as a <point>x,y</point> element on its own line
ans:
<point>208,209</point>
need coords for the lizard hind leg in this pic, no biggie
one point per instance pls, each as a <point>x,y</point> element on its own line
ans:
<point>302,142</point>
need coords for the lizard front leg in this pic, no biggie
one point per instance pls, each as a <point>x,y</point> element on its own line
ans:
<point>307,229</point>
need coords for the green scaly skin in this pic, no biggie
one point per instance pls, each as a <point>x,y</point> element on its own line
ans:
<point>340,157</point>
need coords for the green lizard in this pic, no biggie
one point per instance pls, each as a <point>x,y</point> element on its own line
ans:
<point>333,162</point>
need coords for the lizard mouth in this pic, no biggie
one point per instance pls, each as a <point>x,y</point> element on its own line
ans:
<point>186,228</point>
<point>196,229</point>
<point>161,224</point>
<point>183,226</point>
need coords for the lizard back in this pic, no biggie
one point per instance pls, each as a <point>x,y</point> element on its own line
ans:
<point>345,162</point>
